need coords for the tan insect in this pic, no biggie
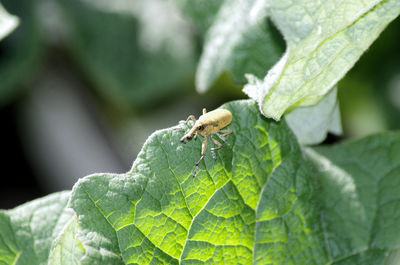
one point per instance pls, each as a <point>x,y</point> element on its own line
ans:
<point>209,124</point>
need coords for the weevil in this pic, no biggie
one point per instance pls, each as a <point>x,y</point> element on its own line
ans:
<point>209,124</point>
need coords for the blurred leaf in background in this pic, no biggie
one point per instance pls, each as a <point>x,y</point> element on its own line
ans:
<point>136,53</point>
<point>7,22</point>
<point>201,12</point>
<point>21,51</point>
<point>91,71</point>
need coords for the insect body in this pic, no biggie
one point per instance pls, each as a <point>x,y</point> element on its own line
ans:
<point>208,124</point>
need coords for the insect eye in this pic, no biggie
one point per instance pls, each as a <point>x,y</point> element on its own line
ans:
<point>200,128</point>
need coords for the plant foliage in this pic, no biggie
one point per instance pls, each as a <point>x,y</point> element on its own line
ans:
<point>262,201</point>
<point>265,199</point>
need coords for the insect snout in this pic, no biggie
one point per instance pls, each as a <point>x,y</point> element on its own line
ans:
<point>183,139</point>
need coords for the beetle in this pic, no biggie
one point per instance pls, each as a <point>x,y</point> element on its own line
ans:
<point>208,124</point>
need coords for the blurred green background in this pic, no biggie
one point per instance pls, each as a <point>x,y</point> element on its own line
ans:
<point>83,83</point>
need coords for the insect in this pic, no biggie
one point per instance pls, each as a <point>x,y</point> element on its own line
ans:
<point>209,124</point>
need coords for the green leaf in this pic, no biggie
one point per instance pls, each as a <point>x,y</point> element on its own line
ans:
<point>324,40</point>
<point>136,54</point>
<point>240,41</point>
<point>67,249</point>
<point>311,124</point>
<point>7,22</point>
<point>27,232</point>
<point>254,204</point>
<point>359,191</point>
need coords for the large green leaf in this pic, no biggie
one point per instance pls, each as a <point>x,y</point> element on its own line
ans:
<point>202,12</point>
<point>7,22</point>
<point>27,232</point>
<point>324,40</point>
<point>135,53</point>
<point>359,191</point>
<point>254,203</point>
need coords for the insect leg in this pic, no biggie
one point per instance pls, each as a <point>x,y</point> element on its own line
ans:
<point>190,118</point>
<point>203,153</point>
<point>224,133</point>
<point>218,144</point>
